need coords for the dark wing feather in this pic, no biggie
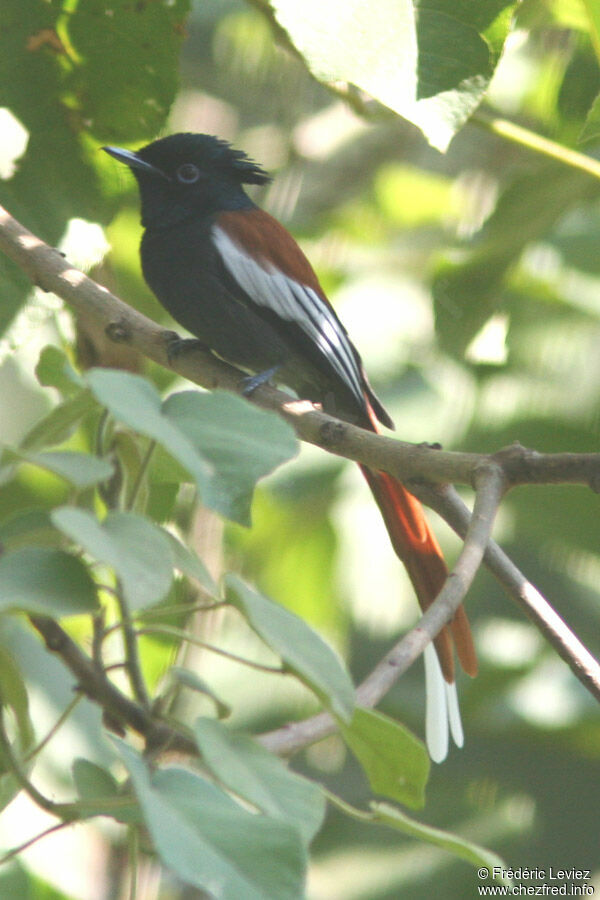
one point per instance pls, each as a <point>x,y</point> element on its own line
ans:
<point>268,265</point>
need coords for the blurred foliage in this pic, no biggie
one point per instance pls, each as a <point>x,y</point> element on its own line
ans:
<point>470,282</point>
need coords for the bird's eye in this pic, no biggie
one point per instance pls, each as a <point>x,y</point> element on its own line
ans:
<point>188,173</point>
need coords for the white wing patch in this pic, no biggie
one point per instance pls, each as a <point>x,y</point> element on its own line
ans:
<point>268,287</point>
<point>442,713</point>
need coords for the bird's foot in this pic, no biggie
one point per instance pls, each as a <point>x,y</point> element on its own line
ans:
<point>251,382</point>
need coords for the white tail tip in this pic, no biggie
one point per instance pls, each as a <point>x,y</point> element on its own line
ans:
<point>442,716</point>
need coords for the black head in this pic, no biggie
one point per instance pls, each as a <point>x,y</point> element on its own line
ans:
<point>189,174</point>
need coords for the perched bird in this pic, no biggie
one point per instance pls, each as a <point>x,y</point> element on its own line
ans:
<point>233,276</point>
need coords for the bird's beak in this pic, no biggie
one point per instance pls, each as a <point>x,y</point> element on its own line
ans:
<point>134,161</point>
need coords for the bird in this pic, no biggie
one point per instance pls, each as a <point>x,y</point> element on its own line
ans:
<point>235,278</point>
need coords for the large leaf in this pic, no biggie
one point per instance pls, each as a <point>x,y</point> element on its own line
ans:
<point>430,61</point>
<point>45,582</point>
<point>242,442</point>
<point>303,651</point>
<point>188,562</point>
<point>222,441</point>
<point>395,761</point>
<point>137,550</point>
<point>101,794</point>
<point>27,527</point>
<point>60,423</point>
<point>128,72</point>
<point>80,469</point>
<point>211,842</point>
<point>68,70</point>
<point>136,402</point>
<point>253,773</point>
<point>54,369</point>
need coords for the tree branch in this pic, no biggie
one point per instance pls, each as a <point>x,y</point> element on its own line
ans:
<point>490,489</point>
<point>119,709</point>
<point>490,475</point>
<point>49,270</point>
<point>447,503</point>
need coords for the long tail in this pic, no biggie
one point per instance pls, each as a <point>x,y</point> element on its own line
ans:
<point>415,544</point>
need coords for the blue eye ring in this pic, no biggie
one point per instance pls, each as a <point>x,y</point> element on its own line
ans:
<point>188,173</point>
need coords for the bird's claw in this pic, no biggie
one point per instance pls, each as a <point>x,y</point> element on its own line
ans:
<point>251,382</point>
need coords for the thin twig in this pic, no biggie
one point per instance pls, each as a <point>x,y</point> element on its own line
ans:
<point>537,143</point>
<point>140,475</point>
<point>584,666</point>
<point>166,612</point>
<point>490,489</point>
<point>95,685</point>
<point>133,666</point>
<point>57,725</point>
<point>16,851</point>
<point>18,773</point>
<point>178,609</point>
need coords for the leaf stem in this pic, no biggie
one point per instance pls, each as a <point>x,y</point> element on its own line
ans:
<point>170,630</point>
<point>20,776</point>
<point>133,666</point>
<point>57,725</point>
<point>517,134</point>
<point>10,854</point>
<point>140,475</point>
<point>346,808</point>
<point>134,860</point>
<point>179,609</point>
<point>165,612</point>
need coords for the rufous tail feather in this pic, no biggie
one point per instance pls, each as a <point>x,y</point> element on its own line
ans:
<point>416,546</point>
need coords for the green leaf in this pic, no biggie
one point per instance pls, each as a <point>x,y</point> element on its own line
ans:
<point>87,73</point>
<point>45,582</point>
<point>472,853</point>
<point>243,443</point>
<point>80,469</point>
<point>590,10</point>
<point>395,762</point>
<point>467,285</point>
<point>222,441</point>
<point>303,651</point>
<point>259,777</point>
<point>192,681</point>
<point>211,842</point>
<point>93,781</point>
<point>431,62</point>
<point>189,563</point>
<point>95,786</point>
<point>18,881</point>
<point>135,401</point>
<point>125,61</point>
<point>60,423</point>
<point>27,526</point>
<point>13,693</point>
<point>134,547</point>
<point>591,128</point>
<point>54,369</point>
